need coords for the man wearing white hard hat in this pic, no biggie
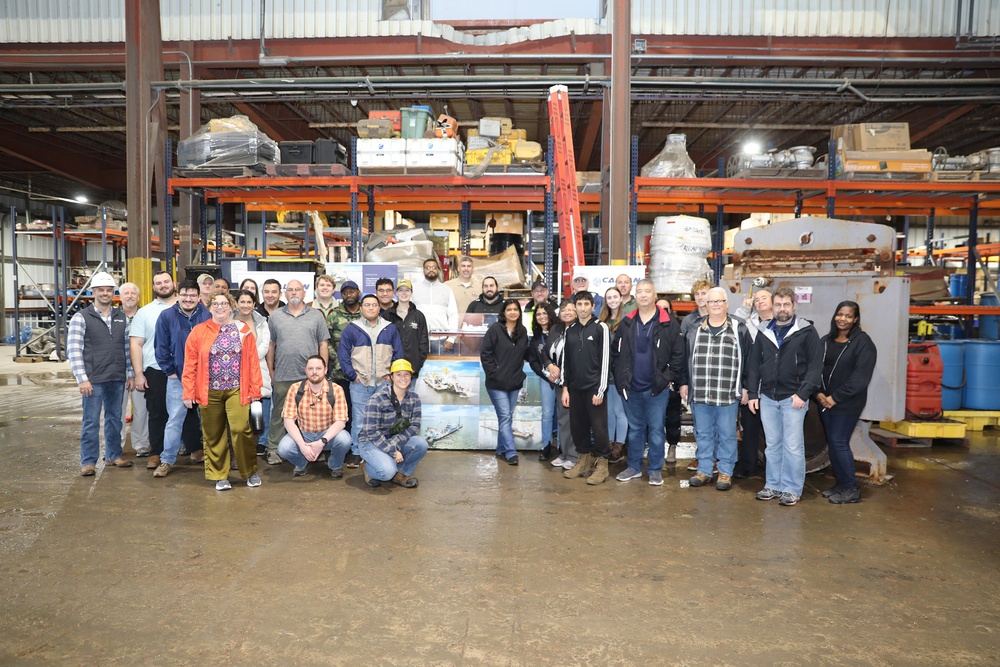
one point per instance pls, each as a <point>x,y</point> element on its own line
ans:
<point>98,352</point>
<point>389,445</point>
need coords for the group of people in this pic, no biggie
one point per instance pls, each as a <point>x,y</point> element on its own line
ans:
<point>622,375</point>
<point>202,367</point>
<point>613,378</point>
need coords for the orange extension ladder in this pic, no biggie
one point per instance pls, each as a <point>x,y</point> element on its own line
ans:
<point>567,197</point>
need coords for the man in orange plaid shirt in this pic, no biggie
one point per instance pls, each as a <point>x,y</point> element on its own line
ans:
<point>315,414</point>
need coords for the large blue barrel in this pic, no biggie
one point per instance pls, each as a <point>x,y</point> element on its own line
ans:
<point>957,283</point>
<point>953,379</point>
<point>989,325</point>
<point>982,375</point>
<point>949,331</point>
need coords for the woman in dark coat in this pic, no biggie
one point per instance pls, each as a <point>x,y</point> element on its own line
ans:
<point>503,353</point>
<point>848,363</point>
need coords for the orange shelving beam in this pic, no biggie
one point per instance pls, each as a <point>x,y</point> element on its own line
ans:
<point>567,195</point>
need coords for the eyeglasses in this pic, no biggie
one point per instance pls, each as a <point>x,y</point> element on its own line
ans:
<point>219,304</point>
<point>717,302</point>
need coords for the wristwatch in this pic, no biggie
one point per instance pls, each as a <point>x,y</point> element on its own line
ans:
<point>324,440</point>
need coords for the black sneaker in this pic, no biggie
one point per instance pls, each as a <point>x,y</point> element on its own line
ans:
<point>513,461</point>
<point>832,491</point>
<point>352,460</point>
<point>852,495</point>
<point>261,450</point>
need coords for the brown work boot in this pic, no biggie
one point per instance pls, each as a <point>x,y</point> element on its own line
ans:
<point>369,480</point>
<point>121,462</point>
<point>582,467</point>
<point>600,472</point>
<point>88,471</point>
<point>700,479</point>
<point>162,470</point>
<point>153,462</point>
<point>724,482</point>
<point>404,481</point>
<point>198,456</point>
<point>618,452</point>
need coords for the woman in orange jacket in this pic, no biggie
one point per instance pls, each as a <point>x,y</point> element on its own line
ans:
<point>222,376</point>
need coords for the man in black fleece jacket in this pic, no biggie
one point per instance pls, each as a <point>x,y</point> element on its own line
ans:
<point>586,368</point>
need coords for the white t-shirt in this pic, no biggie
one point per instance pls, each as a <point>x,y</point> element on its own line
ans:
<point>144,326</point>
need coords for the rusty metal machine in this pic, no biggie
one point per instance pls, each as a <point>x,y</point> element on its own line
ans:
<point>826,261</point>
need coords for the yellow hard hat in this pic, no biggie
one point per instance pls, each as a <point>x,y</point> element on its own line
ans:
<point>400,365</point>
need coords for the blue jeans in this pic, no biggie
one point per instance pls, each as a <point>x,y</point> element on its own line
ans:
<point>785,450</point>
<point>645,414</point>
<point>359,399</point>
<point>383,467</point>
<point>548,411</point>
<point>265,404</point>
<point>106,396</point>
<point>839,427</point>
<point>504,403</point>
<point>617,422</point>
<point>177,412</point>
<point>715,433</point>
<point>338,448</point>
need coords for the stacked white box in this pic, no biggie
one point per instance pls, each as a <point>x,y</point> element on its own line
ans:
<point>435,153</point>
<point>381,153</point>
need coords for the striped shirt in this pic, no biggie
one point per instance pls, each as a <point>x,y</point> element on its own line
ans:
<point>715,364</point>
<point>314,413</point>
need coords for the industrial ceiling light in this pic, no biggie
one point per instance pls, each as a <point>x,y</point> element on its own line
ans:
<point>81,199</point>
<point>751,148</point>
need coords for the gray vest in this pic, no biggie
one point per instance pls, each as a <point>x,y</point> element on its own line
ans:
<point>104,351</point>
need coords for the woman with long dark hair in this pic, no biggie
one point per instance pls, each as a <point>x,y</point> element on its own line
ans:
<point>504,350</point>
<point>544,321</point>
<point>849,357</point>
<point>617,421</point>
<point>551,362</point>
<point>250,285</point>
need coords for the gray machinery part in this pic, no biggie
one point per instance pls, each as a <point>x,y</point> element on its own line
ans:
<point>827,261</point>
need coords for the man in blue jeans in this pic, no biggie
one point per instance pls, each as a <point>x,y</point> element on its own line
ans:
<point>717,347</point>
<point>98,352</point>
<point>172,330</point>
<point>390,446</point>
<point>647,355</point>
<point>315,416</point>
<point>785,368</point>
<point>367,348</point>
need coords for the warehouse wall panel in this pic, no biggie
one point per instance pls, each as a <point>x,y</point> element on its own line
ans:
<point>102,21</point>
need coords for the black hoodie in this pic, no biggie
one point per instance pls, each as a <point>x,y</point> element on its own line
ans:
<point>852,371</point>
<point>503,357</point>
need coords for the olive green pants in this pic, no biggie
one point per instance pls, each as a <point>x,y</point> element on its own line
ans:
<point>225,419</point>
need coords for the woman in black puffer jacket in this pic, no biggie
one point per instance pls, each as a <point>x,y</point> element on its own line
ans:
<point>503,353</point>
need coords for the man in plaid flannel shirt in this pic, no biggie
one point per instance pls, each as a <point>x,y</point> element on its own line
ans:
<point>315,424</point>
<point>717,352</point>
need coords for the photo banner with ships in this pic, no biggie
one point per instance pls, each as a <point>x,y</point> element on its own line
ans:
<point>458,414</point>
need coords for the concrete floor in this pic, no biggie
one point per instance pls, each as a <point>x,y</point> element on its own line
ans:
<point>483,564</point>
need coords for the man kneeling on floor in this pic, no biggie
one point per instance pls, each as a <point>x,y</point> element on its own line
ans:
<point>315,417</point>
<point>388,440</point>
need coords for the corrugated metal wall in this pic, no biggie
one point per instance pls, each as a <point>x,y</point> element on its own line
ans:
<point>814,18</point>
<point>202,20</point>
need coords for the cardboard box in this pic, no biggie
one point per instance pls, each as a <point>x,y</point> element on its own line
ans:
<point>507,223</point>
<point>445,221</point>
<point>881,136</point>
<point>871,137</point>
<point>918,161</point>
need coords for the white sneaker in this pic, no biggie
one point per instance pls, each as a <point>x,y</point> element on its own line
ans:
<point>568,464</point>
<point>254,480</point>
<point>557,462</point>
<point>223,485</point>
